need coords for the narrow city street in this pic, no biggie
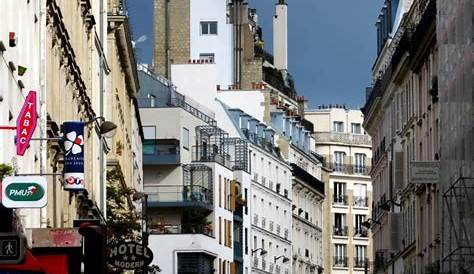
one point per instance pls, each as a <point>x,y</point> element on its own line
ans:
<point>236,137</point>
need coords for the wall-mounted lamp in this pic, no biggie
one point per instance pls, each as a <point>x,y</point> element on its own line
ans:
<point>262,251</point>
<point>285,259</point>
<point>369,223</point>
<point>386,206</point>
<point>106,128</point>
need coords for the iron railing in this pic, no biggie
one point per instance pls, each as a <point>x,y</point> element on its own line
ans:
<point>344,138</point>
<point>361,201</point>
<point>340,261</point>
<point>191,228</point>
<point>340,199</point>
<point>340,230</point>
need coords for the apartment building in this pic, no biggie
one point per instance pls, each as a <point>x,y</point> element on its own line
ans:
<point>456,114</point>
<point>345,146</point>
<point>402,114</point>
<point>60,50</point>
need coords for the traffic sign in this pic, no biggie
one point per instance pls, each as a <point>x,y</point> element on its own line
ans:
<point>12,248</point>
<point>26,123</point>
<point>24,192</point>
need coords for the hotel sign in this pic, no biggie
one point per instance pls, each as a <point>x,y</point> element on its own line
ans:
<point>24,192</point>
<point>130,255</point>
<point>424,172</point>
<point>26,123</point>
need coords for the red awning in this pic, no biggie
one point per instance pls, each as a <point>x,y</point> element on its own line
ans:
<point>31,264</point>
<point>54,264</point>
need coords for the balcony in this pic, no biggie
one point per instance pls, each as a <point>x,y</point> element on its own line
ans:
<point>161,152</point>
<point>361,201</point>
<point>340,261</point>
<point>343,138</point>
<point>349,169</point>
<point>340,230</point>
<point>361,232</point>
<point>212,153</point>
<point>191,196</point>
<point>340,199</point>
<point>191,228</point>
<point>361,262</point>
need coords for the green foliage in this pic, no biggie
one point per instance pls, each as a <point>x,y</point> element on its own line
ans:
<point>5,170</point>
<point>122,222</point>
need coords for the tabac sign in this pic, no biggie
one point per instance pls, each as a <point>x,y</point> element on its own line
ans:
<point>26,123</point>
<point>24,192</point>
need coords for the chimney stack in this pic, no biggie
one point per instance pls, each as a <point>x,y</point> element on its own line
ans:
<point>280,36</point>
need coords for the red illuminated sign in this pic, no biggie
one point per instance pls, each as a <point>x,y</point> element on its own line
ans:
<point>26,123</point>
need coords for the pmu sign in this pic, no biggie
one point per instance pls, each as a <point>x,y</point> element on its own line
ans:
<point>24,192</point>
<point>26,123</point>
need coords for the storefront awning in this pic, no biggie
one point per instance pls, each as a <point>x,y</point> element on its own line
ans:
<point>30,265</point>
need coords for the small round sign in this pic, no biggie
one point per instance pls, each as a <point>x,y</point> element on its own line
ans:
<point>130,255</point>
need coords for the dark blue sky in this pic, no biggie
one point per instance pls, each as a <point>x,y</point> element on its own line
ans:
<point>331,44</point>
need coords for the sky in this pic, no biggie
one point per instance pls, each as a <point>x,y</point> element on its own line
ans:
<point>332,44</point>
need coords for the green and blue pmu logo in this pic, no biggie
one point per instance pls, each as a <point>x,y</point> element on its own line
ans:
<point>24,192</point>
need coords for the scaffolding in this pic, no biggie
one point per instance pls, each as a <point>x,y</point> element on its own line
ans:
<point>458,202</point>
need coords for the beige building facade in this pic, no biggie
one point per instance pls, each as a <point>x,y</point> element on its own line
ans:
<point>341,140</point>
<point>402,114</point>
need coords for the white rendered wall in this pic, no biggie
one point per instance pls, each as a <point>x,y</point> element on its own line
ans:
<point>250,102</point>
<point>266,203</point>
<point>18,17</point>
<point>221,44</point>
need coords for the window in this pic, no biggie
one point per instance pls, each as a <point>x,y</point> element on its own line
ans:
<point>338,126</point>
<point>340,196</point>
<point>152,100</point>
<point>185,138</point>
<point>340,228</point>
<point>360,195</point>
<point>208,28</point>
<point>356,129</point>
<point>359,229</point>
<point>149,132</point>
<point>208,57</point>
<point>246,203</point>
<point>278,186</point>
<point>339,158</point>
<point>246,241</point>
<point>360,255</point>
<point>359,165</point>
<point>340,258</point>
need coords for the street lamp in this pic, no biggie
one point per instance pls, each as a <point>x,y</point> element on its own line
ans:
<point>106,128</point>
<point>285,259</point>
<point>386,206</point>
<point>262,251</point>
<point>369,222</point>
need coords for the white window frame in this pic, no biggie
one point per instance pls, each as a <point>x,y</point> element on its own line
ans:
<point>185,138</point>
<point>205,27</point>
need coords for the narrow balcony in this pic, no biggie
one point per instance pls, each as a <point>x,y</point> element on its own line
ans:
<point>361,232</point>
<point>361,262</point>
<point>212,153</point>
<point>161,152</point>
<point>340,261</point>
<point>189,228</point>
<point>340,230</point>
<point>349,169</point>
<point>343,138</point>
<point>361,201</point>
<point>340,199</point>
<point>189,196</point>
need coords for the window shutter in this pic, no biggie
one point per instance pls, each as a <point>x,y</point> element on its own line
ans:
<point>233,195</point>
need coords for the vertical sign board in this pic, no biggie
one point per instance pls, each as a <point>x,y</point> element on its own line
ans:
<point>73,155</point>
<point>12,248</point>
<point>424,172</point>
<point>26,123</point>
<point>24,192</point>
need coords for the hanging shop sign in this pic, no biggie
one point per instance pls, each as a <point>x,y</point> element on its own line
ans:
<point>24,192</point>
<point>424,172</point>
<point>130,255</point>
<point>73,155</point>
<point>26,123</point>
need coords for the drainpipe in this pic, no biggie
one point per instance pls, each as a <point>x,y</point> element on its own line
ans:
<point>167,40</point>
<point>103,193</point>
<point>42,102</point>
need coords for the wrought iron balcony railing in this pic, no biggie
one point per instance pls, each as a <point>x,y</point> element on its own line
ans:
<point>340,230</point>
